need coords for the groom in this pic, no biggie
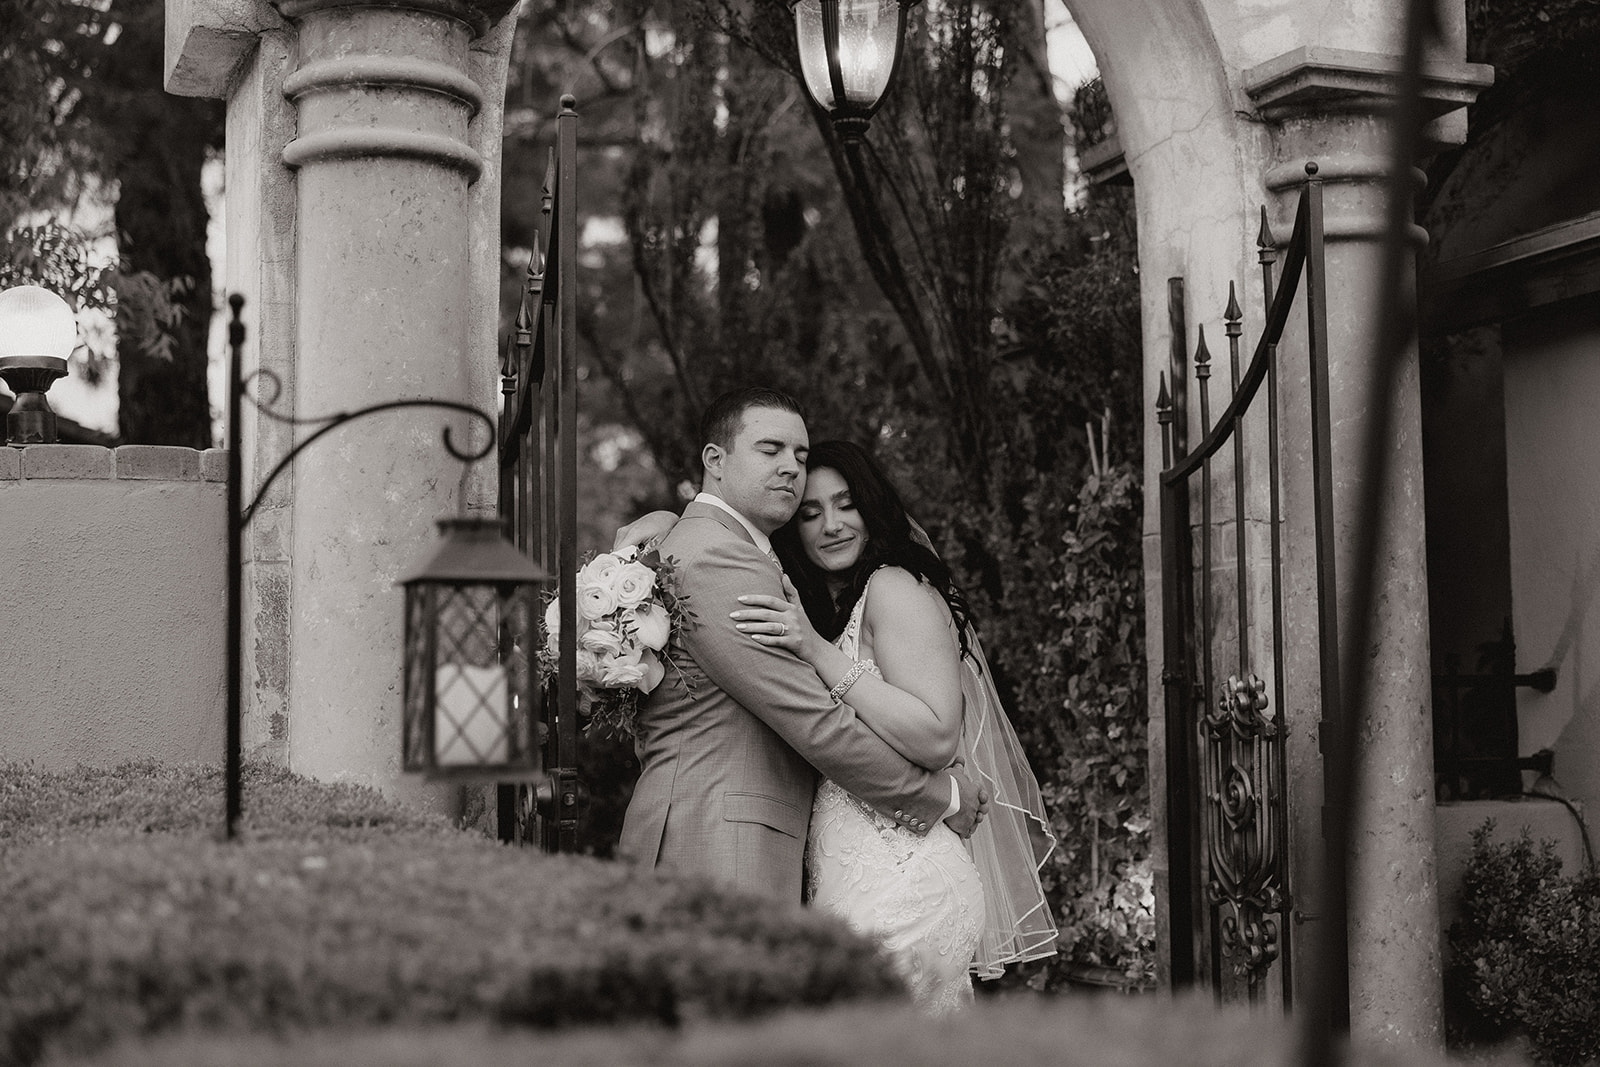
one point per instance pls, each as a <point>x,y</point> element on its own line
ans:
<point>727,750</point>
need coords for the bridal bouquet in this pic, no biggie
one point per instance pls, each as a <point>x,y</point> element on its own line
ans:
<point>628,615</point>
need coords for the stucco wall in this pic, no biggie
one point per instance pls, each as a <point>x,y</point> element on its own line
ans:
<point>1552,378</point>
<point>113,641</point>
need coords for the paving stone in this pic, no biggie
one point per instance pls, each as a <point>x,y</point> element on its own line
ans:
<point>67,461</point>
<point>167,463</point>
<point>10,463</point>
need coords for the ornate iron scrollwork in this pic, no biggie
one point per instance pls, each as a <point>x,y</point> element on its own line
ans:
<point>1241,819</point>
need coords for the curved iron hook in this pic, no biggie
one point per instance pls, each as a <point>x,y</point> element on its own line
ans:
<point>260,405</point>
<point>338,419</point>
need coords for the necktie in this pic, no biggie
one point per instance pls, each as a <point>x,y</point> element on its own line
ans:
<point>773,556</point>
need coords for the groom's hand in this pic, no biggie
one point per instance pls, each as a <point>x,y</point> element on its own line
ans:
<point>974,802</point>
<point>646,528</point>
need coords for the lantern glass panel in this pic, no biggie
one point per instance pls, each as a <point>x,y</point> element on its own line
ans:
<point>868,36</point>
<point>469,675</point>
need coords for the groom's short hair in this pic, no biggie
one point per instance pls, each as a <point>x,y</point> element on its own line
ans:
<point>723,417</point>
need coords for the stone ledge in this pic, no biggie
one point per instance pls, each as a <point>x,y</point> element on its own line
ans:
<point>206,41</point>
<point>68,461</point>
<point>167,463</point>
<point>148,463</point>
<point>214,465</point>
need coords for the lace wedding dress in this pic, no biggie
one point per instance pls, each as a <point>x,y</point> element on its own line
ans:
<point>919,895</point>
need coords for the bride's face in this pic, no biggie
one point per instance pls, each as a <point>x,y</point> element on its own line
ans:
<point>832,532</point>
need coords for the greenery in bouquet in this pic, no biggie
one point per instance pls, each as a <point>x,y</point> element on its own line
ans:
<point>629,616</point>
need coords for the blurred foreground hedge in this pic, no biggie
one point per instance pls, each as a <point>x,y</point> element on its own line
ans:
<point>124,915</point>
<point>1018,1031</point>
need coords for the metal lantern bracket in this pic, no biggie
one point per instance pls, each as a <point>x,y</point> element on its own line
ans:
<point>240,514</point>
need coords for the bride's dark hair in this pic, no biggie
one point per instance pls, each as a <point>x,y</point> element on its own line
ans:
<point>889,543</point>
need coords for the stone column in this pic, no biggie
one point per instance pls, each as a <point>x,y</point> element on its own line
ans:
<point>1329,106</point>
<point>356,134</point>
<point>384,99</point>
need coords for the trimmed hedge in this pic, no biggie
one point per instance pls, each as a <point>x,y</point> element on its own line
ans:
<point>1526,952</point>
<point>1022,1030</point>
<point>124,915</point>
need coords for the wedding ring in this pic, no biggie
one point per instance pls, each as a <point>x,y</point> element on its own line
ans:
<point>783,629</point>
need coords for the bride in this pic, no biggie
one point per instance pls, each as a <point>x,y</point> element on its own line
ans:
<point>872,608</point>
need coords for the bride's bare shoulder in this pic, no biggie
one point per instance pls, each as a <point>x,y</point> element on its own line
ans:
<point>896,594</point>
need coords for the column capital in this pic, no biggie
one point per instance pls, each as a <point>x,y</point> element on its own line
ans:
<point>206,40</point>
<point>387,80</point>
<point>479,14</point>
<point>1315,80</point>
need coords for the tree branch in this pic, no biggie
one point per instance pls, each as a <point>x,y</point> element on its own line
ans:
<point>877,248</point>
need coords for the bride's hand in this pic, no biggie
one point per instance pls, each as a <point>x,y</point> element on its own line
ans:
<point>644,529</point>
<point>779,622</point>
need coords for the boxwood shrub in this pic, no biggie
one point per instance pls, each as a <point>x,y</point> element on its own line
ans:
<point>1525,953</point>
<point>124,914</point>
<point>1018,1030</point>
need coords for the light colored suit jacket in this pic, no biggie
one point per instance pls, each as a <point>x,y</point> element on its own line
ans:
<point>727,751</point>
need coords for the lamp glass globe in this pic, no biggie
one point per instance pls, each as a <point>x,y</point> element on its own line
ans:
<point>868,32</point>
<point>36,322</point>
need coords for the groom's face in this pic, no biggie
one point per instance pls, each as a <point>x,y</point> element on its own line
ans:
<point>762,472</point>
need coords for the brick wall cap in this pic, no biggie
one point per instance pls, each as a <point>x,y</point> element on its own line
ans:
<point>68,461</point>
<point>168,463</point>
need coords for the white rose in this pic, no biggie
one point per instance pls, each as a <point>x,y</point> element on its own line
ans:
<point>588,666</point>
<point>626,552</point>
<point>623,671</point>
<point>596,601</point>
<point>633,583</point>
<point>651,627</point>
<point>601,640</point>
<point>552,626</point>
<point>598,571</point>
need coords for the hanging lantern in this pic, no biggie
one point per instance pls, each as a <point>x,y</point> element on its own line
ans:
<point>472,611</point>
<point>849,52</point>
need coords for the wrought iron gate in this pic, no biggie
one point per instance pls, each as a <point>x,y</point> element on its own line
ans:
<point>538,483</point>
<point>1231,899</point>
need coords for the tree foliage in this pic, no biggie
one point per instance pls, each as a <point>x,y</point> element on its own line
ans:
<point>83,116</point>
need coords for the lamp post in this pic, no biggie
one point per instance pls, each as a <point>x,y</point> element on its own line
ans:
<point>849,52</point>
<point>38,332</point>
<point>470,694</point>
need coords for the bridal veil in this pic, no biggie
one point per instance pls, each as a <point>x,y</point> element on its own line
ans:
<point>1011,845</point>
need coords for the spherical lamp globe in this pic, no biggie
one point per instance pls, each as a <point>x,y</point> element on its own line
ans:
<point>38,332</point>
<point>35,322</point>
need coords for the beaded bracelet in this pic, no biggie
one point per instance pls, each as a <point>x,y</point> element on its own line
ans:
<point>842,686</point>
